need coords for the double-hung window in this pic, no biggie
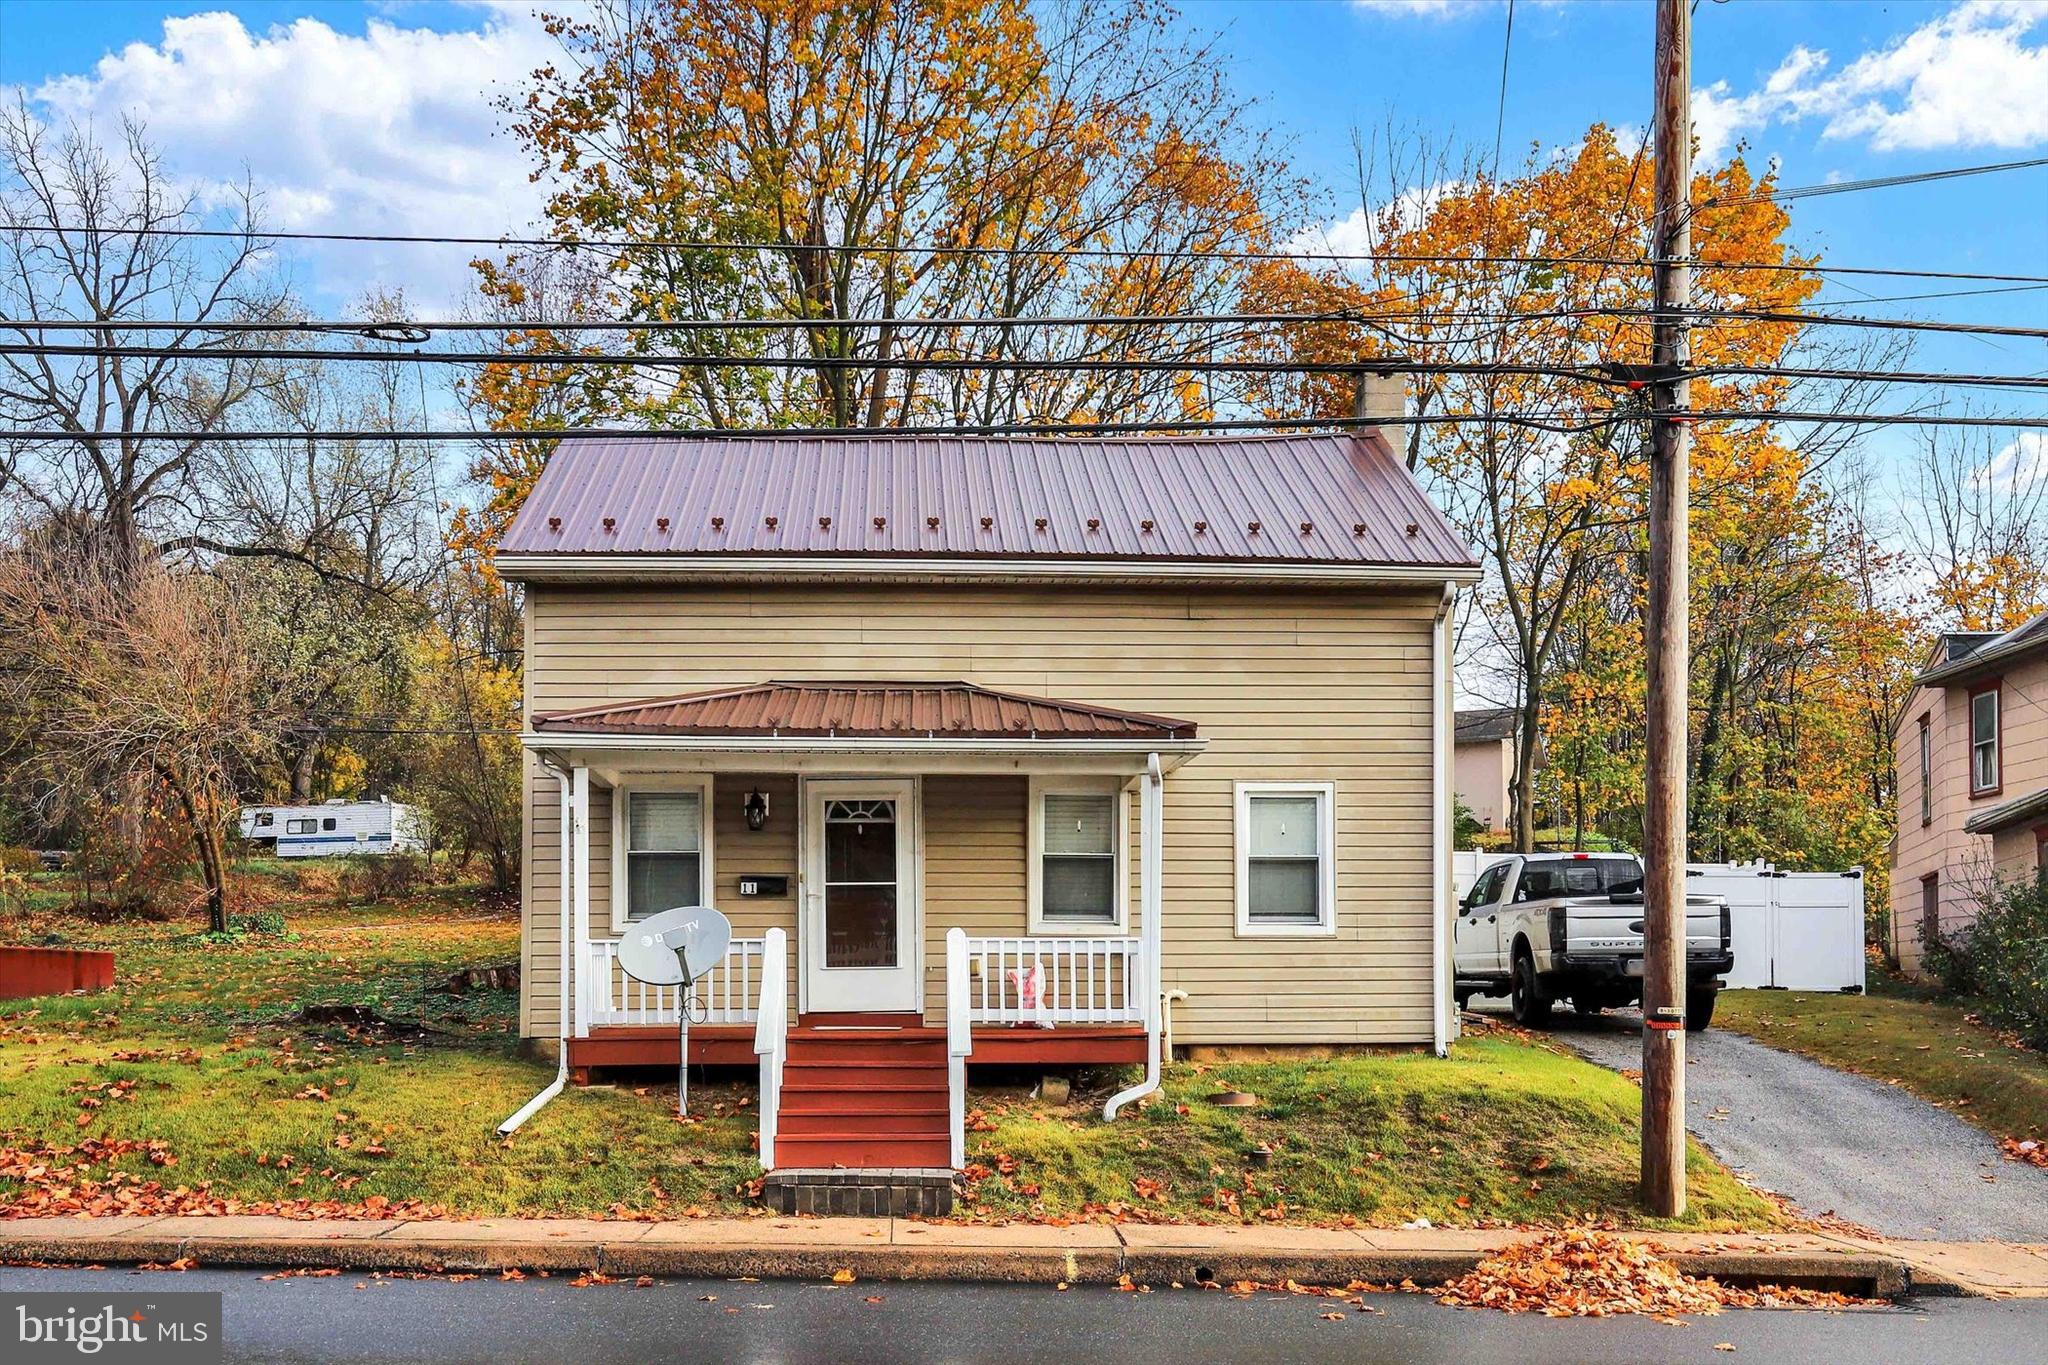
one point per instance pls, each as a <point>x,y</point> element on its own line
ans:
<point>1286,858</point>
<point>663,851</point>
<point>1078,877</point>
<point>1985,773</point>
<point>1927,769</point>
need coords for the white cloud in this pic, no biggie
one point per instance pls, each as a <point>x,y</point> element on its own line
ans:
<point>1409,9</point>
<point>1973,77</point>
<point>1358,232</point>
<point>2018,468</point>
<point>392,131</point>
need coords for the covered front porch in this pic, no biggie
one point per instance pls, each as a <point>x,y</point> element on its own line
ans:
<point>921,878</point>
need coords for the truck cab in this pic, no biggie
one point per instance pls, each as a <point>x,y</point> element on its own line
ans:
<point>1544,927</point>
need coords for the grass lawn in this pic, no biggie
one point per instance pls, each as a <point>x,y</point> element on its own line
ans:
<point>1903,1035</point>
<point>201,1050</point>
<point>1508,1130</point>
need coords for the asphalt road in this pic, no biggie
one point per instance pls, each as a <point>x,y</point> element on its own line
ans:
<point>351,1319</point>
<point>1832,1142</point>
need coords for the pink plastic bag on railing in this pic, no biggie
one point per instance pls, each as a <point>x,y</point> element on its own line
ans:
<point>1029,983</point>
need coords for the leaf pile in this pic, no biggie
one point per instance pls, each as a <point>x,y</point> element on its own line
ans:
<point>1582,1273</point>
<point>2024,1150</point>
<point>78,1181</point>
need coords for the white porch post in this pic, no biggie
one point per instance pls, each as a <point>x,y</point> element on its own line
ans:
<point>1151,856</point>
<point>576,888</point>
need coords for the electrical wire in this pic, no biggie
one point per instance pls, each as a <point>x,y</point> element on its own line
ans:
<point>1376,364</point>
<point>1050,252</point>
<point>1335,317</point>
<point>1568,424</point>
<point>1881,182</point>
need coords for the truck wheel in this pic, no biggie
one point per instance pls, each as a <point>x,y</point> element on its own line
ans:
<point>1531,1002</point>
<point>1699,1009</point>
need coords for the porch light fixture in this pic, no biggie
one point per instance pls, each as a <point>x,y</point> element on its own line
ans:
<point>756,809</point>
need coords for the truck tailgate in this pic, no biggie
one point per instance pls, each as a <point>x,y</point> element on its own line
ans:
<point>1599,926</point>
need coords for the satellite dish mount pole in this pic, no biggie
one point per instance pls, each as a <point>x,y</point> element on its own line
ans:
<point>683,1035</point>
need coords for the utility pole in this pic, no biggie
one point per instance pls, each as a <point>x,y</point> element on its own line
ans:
<point>1666,627</point>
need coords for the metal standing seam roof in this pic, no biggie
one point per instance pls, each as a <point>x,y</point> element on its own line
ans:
<point>1316,498</point>
<point>881,710</point>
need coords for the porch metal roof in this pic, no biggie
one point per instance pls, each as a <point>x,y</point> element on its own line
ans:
<point>1310,499</point>
<point>878,710</point>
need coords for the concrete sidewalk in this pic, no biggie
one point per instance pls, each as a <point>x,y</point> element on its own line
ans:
<point>902,1249</point>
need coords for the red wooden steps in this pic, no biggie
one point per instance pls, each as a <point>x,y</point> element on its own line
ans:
<point>863,1091</point>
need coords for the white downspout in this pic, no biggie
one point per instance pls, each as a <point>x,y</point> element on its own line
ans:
<point>554,1087</point>
<point>1151,854</point>
<point>1440,825</point>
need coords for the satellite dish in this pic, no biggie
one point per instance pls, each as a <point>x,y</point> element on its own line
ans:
<point>662,948</point>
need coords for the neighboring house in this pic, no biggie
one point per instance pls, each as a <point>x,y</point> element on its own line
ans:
<point>1972,755</point>
<point>334,829</point>
<point>1486,764</point>
<point>985,734</point>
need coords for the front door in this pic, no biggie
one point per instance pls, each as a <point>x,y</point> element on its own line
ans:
<point>860,896</point>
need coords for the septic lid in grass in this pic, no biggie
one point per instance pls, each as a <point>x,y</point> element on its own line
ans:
<point>1234,1099</point>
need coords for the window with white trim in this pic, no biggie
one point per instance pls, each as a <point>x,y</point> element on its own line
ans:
<point>1984,757</point>
<point>1078,873</point>
<point>1286,858</point>
<point>664,851</point>
<point>1927,769</point>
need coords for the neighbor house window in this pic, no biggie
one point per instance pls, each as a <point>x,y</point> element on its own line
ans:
<point>1930,908</point>
<point>1984,758</point>
<point>1077,872</point>
<point>660,838</point>
<point>1927,769</point>
<point>1286,858</point>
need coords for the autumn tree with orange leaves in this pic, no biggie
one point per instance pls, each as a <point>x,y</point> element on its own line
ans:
<point>854,148</point>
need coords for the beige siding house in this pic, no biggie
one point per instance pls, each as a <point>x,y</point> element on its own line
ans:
<point>991,751</point>
<point>1484,769</point>
<point>1972,754</point>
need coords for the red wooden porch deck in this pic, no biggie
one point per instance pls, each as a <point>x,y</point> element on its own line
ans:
<point>730,1045</point>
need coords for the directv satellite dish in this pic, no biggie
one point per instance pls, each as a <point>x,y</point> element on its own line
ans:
<point>674,948</point>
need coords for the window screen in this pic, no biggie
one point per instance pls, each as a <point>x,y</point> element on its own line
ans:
<point>1077,881</point>
<point>1284,860</point>
<point>664,852</point>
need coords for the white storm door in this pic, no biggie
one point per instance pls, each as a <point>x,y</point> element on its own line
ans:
<point>860,944</point>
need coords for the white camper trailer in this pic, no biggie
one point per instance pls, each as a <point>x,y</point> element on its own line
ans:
<point>336,828</point>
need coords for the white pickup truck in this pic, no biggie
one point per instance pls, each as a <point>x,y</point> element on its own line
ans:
<point>1543,927</point>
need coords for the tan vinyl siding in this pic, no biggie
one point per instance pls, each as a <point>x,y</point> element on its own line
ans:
<point>1285,684</point>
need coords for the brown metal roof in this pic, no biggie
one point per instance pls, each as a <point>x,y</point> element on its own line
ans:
<point>878,710</point>
<point>1319,499</point>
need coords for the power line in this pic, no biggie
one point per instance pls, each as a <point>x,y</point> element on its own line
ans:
<point>1049,252</point>
<point>1566,423</point>
<point>1085,365</point>
<point>1874,183</point>
<point>1500,117</point>
<point>1561,423</point>
<point>1350,317</point>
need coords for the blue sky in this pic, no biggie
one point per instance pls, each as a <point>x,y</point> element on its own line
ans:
<point>377,116</point>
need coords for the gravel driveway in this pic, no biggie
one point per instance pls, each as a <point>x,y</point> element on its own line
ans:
<point>1832,1142</point>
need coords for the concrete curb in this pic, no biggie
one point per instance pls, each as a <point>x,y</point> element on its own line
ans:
<point>885,1249</point>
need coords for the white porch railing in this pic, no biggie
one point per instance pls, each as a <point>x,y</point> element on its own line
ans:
<point>1084,980</point>
<point>771,1038</point>
<point>725,995</point>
